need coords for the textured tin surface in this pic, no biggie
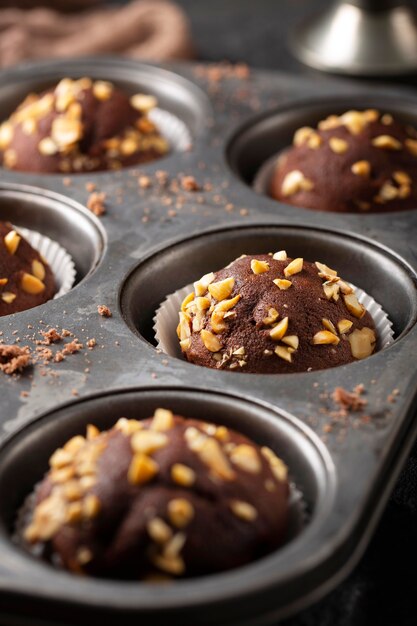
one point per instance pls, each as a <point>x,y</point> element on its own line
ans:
<point>152,241</point>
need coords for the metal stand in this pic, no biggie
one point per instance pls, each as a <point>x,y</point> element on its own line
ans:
<point>360,37</point>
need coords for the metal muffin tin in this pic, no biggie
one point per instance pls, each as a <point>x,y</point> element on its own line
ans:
<point>130,265</point>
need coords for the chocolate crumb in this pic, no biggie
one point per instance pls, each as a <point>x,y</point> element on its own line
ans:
<point>349,400</point>
<point>189,183</point>
<point>104,310</point>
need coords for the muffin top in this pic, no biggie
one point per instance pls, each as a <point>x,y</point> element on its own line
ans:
<point>145,496</point>
<point>270,314</point>
<point>361,161</point>
<point>80,126</point>
<point>26,280</point>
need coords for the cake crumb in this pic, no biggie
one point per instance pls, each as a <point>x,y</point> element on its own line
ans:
<point>90,186</point>
<point>50,336</point>
<point>91,343</point>
<point>14,359</point>
<point>96,203</point>
<point>104,310</point>
<point>189,183</point>
<point>144,182</point>
<point>349,400</point>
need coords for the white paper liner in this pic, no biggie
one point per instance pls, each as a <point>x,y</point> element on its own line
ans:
<point>166,320</point>
<point>263,176</point>
<point>57,257</point>
<point>172,128</point>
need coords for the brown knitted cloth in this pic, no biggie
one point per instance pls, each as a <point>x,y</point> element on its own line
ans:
<point>147,29</point>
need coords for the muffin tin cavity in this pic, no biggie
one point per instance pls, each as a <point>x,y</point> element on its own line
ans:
<point>60,219</point>
<point>267,135</point>
<point>24,459</point>
<point>365,264</point>
<point>174,93</point>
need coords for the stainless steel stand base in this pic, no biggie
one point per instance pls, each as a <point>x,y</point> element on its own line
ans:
<point>347,39</point>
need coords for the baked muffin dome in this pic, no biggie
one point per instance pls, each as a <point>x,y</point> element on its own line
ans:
<point>145,497</point>
<point>26,280</point>
<point>270,314</point>
<point>80,126</point>
<point>361,161</point>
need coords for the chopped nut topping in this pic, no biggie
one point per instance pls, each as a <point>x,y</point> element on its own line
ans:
<point>92,432</point>
<point>294,182</point>
<point>386,142</point>
<point>158,530</point>
<point>259,267</point>
<point>273,315</point>
<point>210,341</point>
<point>174,565</point>
<point>411,145</point>
<point>180,512</point>
<point>244,510</point>
<point>31,284</point>
<point>104,310</point>
<point>183,475</point>
<point>294,267</point>
<point>279,330</point>
<point>91,506</point>
<point>162,420</point>
<point>6,135</point>
<point>282,283</point>
<point>102,89</point>
<point>355,121</point>
<point>60,458</point>
<point>329,325</point>
<point>302,135</point>
<point>148,441</point>
<point>361,168</point>
<point>38,269</point>
<point>222,289</point>
<point>291,340</point>
<point>353,305</point>
<point>11,241</point>
<point>278,467</point>
<point>325,337</point>
<point>362,343</point>
<point>331,291</point>
<point>344,326</point>
<point>387,119</point>
<point>402,178</point>
<point>326,272</point>
<point>212,455</point>
<point>337,145</point>
<point>284,353</point>
<point>128,427</point>
<point>281,255</point>
<point>201,286</point>
<point>66,131</point>
<point>143,102</point>
<point>246,458</point>
<point>3,281</point>
<point>142,469</point>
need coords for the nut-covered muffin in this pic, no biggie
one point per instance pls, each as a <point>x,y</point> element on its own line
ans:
<point>80,126</point>
<point>26,280</point>
<point>144,497</point>
<point>270,314</point>
<point>361,161</point>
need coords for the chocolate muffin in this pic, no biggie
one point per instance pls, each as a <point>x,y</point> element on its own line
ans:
<point>80,126</point>
<point>26,280</point>
<point>361,161</point>
<point>142,498</point>
<point>270,314</point>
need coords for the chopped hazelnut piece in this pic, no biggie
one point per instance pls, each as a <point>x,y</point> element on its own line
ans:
<point>142,469</point>
<point>201,286</point>
<point>282,283</point>
<point>302,134</point>
<point>6,135</point>
<point>102,89</point>
<point>158,530</point>
<point>281,255</point>
<point>212,455</point>
<point>180,512</point>
<point>337,145</point>
<point>294,267</point>
<point>11,241</point>
<point>38,269</point>
<point>291,340</point>
<point>222,289</point>
<point>47,146</point>
<point>329,326</point>
<point>172,565</point>
<point>246,458</point>
<point>91,506</point>
<point>279,330</point>
<point>411,145</point>
<point>216,320</point>
<point>183,475</point>
<point>148,441</point>
<point>143,102</point>
<point>344,326</point>
<point>66,131</point>
<point>283,353</point>
<point>402,178</point>
<point>210,341</point>
<point>324,337</point>
<point>243,510</point>
<point>387,119</point>
<point>163,419</point>
<point>325,271</point>
<point>353,305</point>
<point>386,142</point>
<point>92,431</point>
<point>187,301</point>
<point>3,281</point>
<point>294,182</point>
<point>31,284</point>
<point>259,267</point>
<point>226,305</point>
<point>278,467</point>
<point>362,343</point>
<point>202,303</point>
<point>273,315</point>
<point>361,168</point>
